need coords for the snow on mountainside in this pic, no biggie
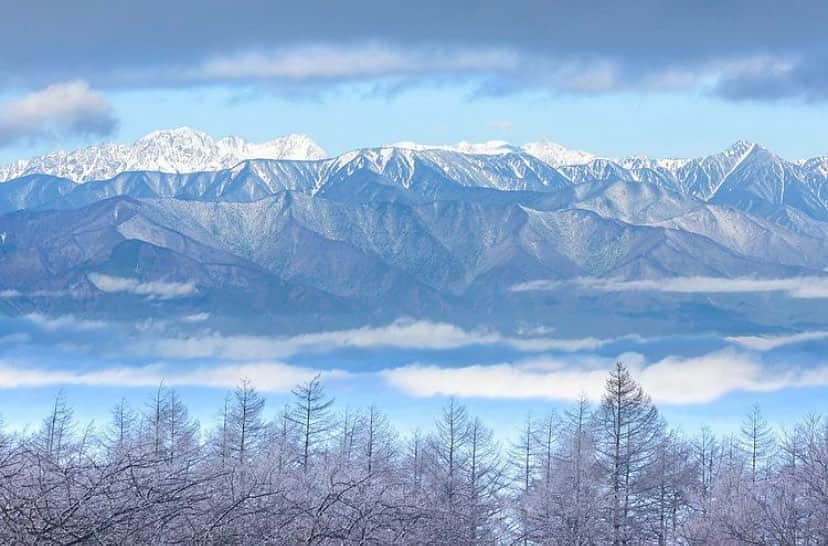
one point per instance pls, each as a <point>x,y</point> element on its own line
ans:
<point>181,150</point>
<point>409,228</point>
<point>557,155</point>
<point>441,168</point>
<point>816,168</point>
<point>549,152</point>
<point>644,162</point>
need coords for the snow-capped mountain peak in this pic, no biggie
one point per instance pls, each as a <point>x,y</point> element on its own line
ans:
<point>177,134</point>
<point>185,150</point>
<point>556,155</point>
<point>740,148</point>
<point>179,150</point>
<point>491,147</point>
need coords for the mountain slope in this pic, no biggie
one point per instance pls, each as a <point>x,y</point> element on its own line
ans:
<point>426,232</point>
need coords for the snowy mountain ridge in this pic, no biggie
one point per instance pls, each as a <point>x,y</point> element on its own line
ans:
<point>185,150</point>
<point>180,150</point>
<point>547,151</point>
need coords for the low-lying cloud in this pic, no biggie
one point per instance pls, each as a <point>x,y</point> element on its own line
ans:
<point>162,290</point>
<point>540,370</point>
<point>672,380</point>
<point>795,287</point>
<point>57,111</point>
<point>401,334</point>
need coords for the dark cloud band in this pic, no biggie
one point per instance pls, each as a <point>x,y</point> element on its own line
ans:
<point>651,41</point>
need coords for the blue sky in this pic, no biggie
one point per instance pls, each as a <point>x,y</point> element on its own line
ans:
<point>626,123</point>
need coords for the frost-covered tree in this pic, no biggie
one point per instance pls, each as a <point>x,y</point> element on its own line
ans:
<point>56,429</point>
<point>629,433</point>
<point>120,436</point>
<point>375,440</point>
<point>523,462</point>
<point>182,431</point>
<point>574,483</point>
<point>757,442</point>
<point>612,474</point>
<point>245,426</point>
<point>311,415</point>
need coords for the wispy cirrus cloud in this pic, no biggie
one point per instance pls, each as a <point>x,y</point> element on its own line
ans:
<point>17,294</point>
<point>59,110</point>
<point>771,342</point>
<point>64,322</point>
<point>196,317</point>
<point>795,287</point>
<point>672,380</point>
<point>152,289</point>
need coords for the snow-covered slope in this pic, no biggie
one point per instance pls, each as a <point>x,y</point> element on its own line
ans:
<point>556,155</point>
<point>549,152</point>
<point>181,150</point>
<point>406,229</point>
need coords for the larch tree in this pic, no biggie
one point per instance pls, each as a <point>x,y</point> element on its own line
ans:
<point>311,414</point>
<point>245,422</point>
<point>629,430</point>
<point>757,441</point>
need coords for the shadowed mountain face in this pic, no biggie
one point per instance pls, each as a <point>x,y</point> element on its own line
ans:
<point>386,232</point>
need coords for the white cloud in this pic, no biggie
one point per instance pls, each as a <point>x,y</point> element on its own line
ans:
<point>703,379</point>
<point>15,294</point>
<point>265,376</point>
<point>151,289</point>
<point>496,69</point>
<point>770,342</point>
<point>672,380</point>
<point>64,322</point>
<point>62,109</point>
<point>755,65</point>
<point>196,317</point>
<point>402,334</point>
<point>495,381</point>
<point>350,62</point>
<point>539,285</point>
<point>795,287</point>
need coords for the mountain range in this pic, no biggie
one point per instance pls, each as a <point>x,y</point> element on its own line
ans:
<point>281,230</point>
